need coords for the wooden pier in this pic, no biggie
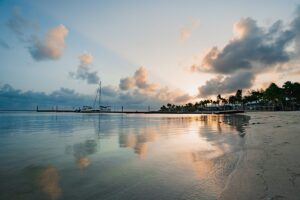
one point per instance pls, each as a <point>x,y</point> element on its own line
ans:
<point>145,112</point>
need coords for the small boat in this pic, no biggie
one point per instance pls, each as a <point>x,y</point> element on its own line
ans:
<point>86,109</point>
<point>99,107</point>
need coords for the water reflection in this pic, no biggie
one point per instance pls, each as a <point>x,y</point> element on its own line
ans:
<point>118,156</point>
<point>212,158</point>
<point>44,179</point>
<point>138,139</point>
<point>237,122</point>
<point>200,164</point>
<point>49,182</point>
<point>81,151</point>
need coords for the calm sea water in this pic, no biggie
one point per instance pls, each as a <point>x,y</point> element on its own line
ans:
<point>117,156</point>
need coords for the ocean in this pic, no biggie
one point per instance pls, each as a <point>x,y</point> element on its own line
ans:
<point>118,156</point>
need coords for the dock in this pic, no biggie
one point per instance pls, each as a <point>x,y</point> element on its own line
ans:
<point>146,112</point>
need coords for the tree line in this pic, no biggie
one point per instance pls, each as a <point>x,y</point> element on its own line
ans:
<point>286,97</point>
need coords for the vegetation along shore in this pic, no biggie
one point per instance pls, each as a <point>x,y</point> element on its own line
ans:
<point>273,98</point>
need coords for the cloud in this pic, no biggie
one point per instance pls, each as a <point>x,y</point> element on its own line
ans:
<point>109,91</point>
<point>162,96</point>
<point>51,47</point>
<point>134,98</point>
<point>11,98</point>
<point>86,59</point>
<point>165,94</point>
<point>21,26</point>
<point>138,87</point>
<point>252,48</point>
<point>183,98</point>
<point>138,97</point>
<point>294,73</point>
<point>225,85</point>
<point>138,80</point>
<point>252,51</point>
<point>83,70</point>
<point>4,45</point>
<point>141,76</point>
<point>127,83</point>
<point>186,32</point>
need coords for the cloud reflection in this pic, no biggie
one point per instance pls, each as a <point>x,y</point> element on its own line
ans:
<point>49,182</point>
<point>42,180</point>
<point>81,151</point>
<point>138,141</point>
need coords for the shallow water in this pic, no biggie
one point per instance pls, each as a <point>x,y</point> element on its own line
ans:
<point>117,156</point>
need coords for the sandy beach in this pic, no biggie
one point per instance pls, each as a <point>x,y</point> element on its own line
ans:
<point>269,167</point>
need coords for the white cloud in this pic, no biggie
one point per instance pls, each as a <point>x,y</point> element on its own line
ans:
<point>51,46</point>
<point>139,86</point>
<point>83,70</point>
<point>186,32</point>
<point>138,80</point>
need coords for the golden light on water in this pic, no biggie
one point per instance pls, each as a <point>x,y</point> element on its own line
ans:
<point>83,162</point>
<point>49,182</point>
<point>164,151</point>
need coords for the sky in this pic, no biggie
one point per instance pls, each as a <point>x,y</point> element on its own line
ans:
<point>144,52</point>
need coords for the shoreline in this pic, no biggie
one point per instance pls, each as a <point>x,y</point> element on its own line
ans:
<point>130,112</point>
<point>157,112</point>
<point>269,166</point>
<point>154,112</point>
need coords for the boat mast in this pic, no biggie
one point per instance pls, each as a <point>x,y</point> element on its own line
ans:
<point>99,100</point>
<point>94,105</point>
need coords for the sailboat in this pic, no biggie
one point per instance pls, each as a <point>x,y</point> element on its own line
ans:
<point>97,107</point>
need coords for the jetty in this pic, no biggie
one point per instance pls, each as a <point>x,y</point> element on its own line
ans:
<point>143,112</point>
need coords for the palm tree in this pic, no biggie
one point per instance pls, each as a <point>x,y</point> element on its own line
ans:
<point>178,109</point>
<point>239,96</point>
<point>288,90</point>
<point>296,92</point>
<point>222,100</point>
<point>291,92</point>
<point>163,109</point>
<point>274,94</point>
<point>232,99</point>
<point>219,98</point>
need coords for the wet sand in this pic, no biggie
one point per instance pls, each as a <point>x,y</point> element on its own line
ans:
<point>269,167</point>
